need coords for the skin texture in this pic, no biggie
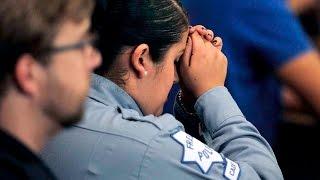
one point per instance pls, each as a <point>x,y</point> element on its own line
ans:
<point>301,77</point>
<point>300,6</point>
<point>197,56</point>
<point>300,94</point>
<point>43,98</point>
<point>68,76</point>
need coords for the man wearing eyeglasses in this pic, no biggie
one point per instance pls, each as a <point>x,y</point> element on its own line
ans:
<point>46,60</point>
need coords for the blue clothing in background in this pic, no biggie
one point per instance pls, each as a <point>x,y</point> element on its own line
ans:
<point>259,36</point>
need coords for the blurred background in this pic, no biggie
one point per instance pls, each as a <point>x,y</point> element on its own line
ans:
<point>260,38</point>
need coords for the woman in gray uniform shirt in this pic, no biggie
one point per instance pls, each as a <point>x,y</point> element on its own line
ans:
<point>124,135</point>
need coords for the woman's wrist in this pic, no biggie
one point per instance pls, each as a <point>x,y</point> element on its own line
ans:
<point>187,104</point>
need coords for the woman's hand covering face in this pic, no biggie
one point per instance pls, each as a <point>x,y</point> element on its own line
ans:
<point>206,34</point>
<point>202,66</point>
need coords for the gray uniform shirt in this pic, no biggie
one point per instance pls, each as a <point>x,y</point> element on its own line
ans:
<point>116,141</point>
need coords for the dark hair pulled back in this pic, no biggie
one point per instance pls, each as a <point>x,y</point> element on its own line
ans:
<point>123,23</point>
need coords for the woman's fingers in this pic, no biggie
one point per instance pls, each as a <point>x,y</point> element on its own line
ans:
<point>207,34</point>
<point>197,45</point>
<point>217,42</point>
<point>187,53</point>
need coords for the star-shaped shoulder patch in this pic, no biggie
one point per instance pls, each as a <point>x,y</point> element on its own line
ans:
<point>197,152</point>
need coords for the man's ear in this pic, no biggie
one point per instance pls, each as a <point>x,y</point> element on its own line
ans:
<point>141,60</point>
<point>27,72</point>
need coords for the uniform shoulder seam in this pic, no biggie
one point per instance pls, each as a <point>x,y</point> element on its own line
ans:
<point>144,155</point>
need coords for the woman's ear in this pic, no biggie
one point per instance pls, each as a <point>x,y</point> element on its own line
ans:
<point>141,60</point>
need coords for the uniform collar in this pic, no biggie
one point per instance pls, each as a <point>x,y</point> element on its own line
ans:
<point>109,93</point>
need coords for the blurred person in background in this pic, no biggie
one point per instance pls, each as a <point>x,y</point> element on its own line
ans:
<point>308,12</point>
<point>298,116</point>
<point>46,60</point>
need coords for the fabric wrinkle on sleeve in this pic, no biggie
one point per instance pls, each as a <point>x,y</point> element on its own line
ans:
<point>228,132</point>
<point>222,107</point>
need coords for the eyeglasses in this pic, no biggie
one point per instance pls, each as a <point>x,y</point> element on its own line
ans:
<point>90,41</point>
